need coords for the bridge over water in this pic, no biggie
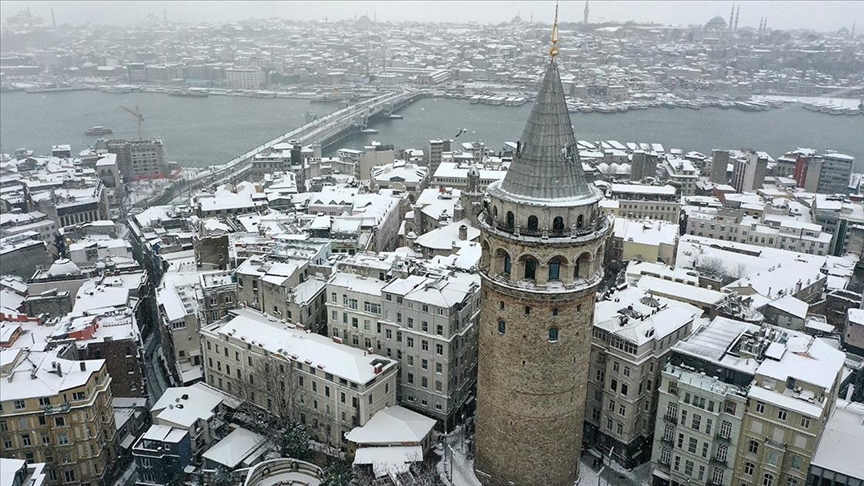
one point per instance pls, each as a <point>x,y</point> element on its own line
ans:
<point>321,131</point>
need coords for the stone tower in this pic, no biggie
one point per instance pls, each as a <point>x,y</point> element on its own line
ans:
<point>543,241</point>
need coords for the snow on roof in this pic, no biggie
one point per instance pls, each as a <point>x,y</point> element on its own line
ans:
<point>443,238</point>
<point>646,232</point>
<point>856,316</point>
<point>234,448</point>
<point>675,290</point>
<point>46,383</point>
<point>648,317</point>
<point>393,425</point>
<point>642,189</point>
<point>389,460</point>
<point>199,404</point>
<point>791,305</point>
<point>358,283</point>
<point>786,401</point>
<point>839,449</point>
<point>164,433</point>
<point>712,341</point>
<point>806,359</point>
<point>281,338</point>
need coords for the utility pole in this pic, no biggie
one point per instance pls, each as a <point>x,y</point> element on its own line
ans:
<point>603,458</point>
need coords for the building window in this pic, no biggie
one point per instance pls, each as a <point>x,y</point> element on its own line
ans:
<point>532,223</point>
<point>753,447</point>
<point>760,407</point>
<point>502,326</point>
<point>530,269</point>
<point>748,468</point>
<point>805,423</point>
<point>554,270</point>
<point>768,479</point>
<point>781,414</point>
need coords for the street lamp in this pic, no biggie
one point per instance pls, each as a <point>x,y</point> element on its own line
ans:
<point>603,459</point>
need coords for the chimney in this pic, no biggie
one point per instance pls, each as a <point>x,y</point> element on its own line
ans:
<point>463,232</point>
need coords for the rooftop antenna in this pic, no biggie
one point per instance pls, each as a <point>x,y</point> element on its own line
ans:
<point>554,50</point>
<point>139,118</point>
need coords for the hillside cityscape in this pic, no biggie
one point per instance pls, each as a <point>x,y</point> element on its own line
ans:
<point>376,291</point>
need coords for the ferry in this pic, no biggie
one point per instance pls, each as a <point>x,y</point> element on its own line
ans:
<point>116,89</point>
<point>98,130</point>
<point>190,93</point>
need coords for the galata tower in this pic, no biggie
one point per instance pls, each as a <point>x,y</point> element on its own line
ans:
<point>543,240</point>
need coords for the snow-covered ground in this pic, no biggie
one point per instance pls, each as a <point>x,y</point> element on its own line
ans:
<point>463,468</point>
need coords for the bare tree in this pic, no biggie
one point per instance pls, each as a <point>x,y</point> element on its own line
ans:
<point>711,266</point>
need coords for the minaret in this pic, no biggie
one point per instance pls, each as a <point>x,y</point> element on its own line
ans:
<point>585,14</point>
<point>737,15</point>
<point>543,239</point>
<point>731,18</point>
<point>53,20</point>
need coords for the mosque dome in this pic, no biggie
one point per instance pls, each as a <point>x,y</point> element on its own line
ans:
<point>717,23</point>
<point>63,267</point>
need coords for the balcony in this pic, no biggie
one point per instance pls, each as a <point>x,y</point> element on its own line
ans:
<point>667,440</point>
<point>49,409</point>
<point>671,419</point>
<point>723,438</point>
<point>718,461</point>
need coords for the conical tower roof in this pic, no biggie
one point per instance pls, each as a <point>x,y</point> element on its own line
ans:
<point>546,165</point>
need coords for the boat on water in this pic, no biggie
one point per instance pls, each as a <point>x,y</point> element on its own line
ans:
<point>98,130</point>
<point>116,89</point>
<point>394,116</point>
<point>190,93</point>
<point>368,130</point>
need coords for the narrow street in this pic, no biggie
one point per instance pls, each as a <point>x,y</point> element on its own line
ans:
<point>156,383</point>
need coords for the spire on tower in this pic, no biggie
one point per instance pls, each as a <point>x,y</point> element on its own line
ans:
<point>554,50</point>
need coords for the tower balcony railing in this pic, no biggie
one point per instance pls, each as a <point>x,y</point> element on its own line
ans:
<point>573,233</point>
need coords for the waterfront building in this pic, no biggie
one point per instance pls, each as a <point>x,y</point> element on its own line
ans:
<point>245,78</point>
<point>327,386</point>
<point>136,158</point>
<point>543,239</point>
<point>720,166</point>
<point>639,201</point>
<point>827,173</point>
<point>46,401</point>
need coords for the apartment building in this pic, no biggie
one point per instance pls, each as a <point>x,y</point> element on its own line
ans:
<point>428,323</point>
<point>632,334</point>
<point>827,173</point>
<point>136,158</point>
<point>842,219</point>
<point>283,289</point>
<point>701,404</point>
<point>790,399</point>
<point>748,172</point>
<point>638,201</point>
<point>329,387</point>
<point>682,174</point>
<point>734,225</point>
<point>646,240</point>
<point>58,412</point>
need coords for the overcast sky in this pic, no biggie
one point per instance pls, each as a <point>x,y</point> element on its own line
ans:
<point>821,15</point>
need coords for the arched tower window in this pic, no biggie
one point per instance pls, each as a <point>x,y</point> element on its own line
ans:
<point>511,220</point>
<point>530,268</point>
<point>495,212</point>
<point>555,269</point>
<point>582,268</point>
<point>507,264</point>
<point>502,326</point>
<point>532,223</point>
<point>553,334</point>
<point>579,221</point>
<point>558,225</point>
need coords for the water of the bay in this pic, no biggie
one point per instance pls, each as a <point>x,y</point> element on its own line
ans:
<point>206,131</point>
<point>196,132</point>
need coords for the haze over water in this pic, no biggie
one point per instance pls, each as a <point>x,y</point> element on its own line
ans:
<point>198,132</point>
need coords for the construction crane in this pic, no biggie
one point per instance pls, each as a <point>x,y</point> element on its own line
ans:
<point>139,118</point>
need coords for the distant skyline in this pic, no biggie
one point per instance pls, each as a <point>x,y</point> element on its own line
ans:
<point>826,16</point>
